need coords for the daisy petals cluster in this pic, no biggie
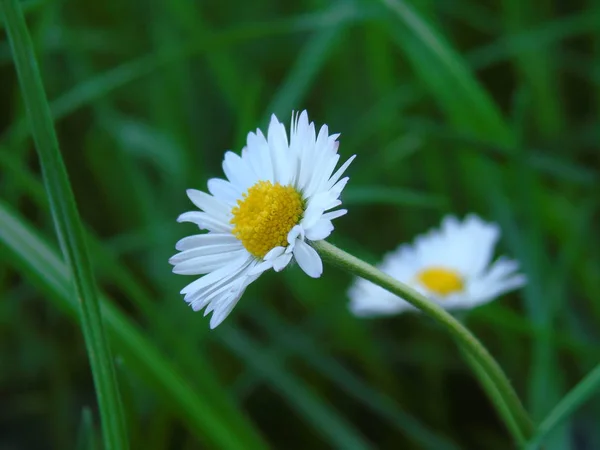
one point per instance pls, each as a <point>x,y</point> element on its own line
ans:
<point>279,195</point>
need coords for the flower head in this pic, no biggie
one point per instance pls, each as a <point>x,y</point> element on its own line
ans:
<point>278,197</point>
<point>451,266</point>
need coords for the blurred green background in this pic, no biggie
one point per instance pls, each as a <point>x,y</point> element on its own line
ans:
<point>452,107</point>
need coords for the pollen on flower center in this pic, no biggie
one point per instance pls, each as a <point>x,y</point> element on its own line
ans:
<point>265,215</point>
<point>440,280</point>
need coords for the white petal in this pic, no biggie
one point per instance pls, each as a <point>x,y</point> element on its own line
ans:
<point>274,253</point>
<point>487,288</point>
<point>205,221</point>
<point>209,204</point>
<point>224,191</point>
<point>232,267</point>
<point>238,171</point>
<point>261,267</point>
<point>205,250</point>
<point>484,237</point>
<point>321,171</point>
<point>257,143</point>
<point>207,263</point>
<point>321,161</point>
<point>218,289</point>
<point>316,206</point>
<point>308,155</point>
<point>219,316</point>
<point>370,300</point>
<point>503,267</point>
<point>337,188</point>
<point>308,259</point>
<point>226,305</point>
<point>340,172</point>
<point>319,230</point>
<point>334,214</point>
<point>252,160</point>
<point>278,147</point>
<point>296,232</point>
<point>198,240</point>
<point>280,263</point>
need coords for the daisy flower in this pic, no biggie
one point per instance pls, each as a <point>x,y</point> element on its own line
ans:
<point>279,196</point>
<point>451,266</point>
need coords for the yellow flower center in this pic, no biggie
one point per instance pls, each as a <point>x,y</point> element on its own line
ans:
<point>265,215</point>
<point>440,280</point>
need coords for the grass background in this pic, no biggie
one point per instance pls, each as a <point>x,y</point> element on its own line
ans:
<point>452,107</point>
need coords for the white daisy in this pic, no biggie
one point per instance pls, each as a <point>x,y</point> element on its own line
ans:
<point>277,198</point>
<point>450,266</point>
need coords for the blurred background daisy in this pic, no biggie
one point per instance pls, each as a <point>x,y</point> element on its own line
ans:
<point>451,107</point>
<point>451,266</point>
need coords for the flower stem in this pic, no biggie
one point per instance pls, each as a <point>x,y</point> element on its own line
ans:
<point>495,396</point>
<point>491,376</point>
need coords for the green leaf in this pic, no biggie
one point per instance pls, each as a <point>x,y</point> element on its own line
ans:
<point>68,226</point>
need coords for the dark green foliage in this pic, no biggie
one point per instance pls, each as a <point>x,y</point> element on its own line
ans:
<point>452,107</point>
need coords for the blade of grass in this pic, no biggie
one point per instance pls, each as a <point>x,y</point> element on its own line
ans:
<point>534,38</point>
<point>538,159</point>
<point>302,74</point>
<point>373,195</point>
<point>446,75</point>
<point>68,226</point>
<point>40,264</point>
<point>328,422</point>
<point>109,266</point>
<point>299,343</point>
<point>536,66</point>
<point>581,393</point>
<point>528,241</point>
<point>104,83</point>
<point>27,7</point>
<point>85,435</point>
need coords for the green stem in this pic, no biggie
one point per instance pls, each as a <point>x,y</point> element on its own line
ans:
<point>68,225</point>
<point>495,396</point>
<point>504,398</point>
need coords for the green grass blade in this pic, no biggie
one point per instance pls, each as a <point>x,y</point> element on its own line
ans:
<point>446,75</point>
<point>306,68</point>
<point>325,420</point>
<point>105,83</point>
<point>40,264</point>
<point>537,66</point>
<point>534,38</point>
<point>300,343</point>
<point>383,195</point>
<point>85,434</point>
<point>68,226</point>
<point>107,265</point>
<point>581,393</point>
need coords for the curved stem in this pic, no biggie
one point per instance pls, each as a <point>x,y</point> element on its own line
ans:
<point>495,396</point>
<point>490,374</point>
